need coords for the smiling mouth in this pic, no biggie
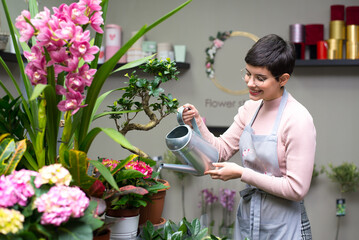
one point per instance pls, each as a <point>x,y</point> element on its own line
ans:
<point>254,92</point>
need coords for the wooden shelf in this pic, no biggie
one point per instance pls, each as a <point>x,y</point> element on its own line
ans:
<point>327,63</point>
<point>217,130</point>
<point>11,57</point>
<point>180,65</point>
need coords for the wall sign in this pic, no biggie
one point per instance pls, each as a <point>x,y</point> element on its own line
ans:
<point>217,43</point>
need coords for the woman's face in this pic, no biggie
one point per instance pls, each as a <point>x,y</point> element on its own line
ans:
<point>262,84</point>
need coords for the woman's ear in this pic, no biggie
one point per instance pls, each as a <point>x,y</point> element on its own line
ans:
<point>284,79</point>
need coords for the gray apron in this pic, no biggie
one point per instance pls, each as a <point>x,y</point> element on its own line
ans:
<point>262,215</point>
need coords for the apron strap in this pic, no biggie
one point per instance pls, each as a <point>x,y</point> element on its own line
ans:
<point>255,196</point>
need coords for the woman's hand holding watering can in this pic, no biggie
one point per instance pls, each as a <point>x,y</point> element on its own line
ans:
<point>190,112</point>
<point>225,171</point>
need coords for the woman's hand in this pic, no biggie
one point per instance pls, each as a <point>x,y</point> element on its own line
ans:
<point>190,112</point>
<point>225,171</point>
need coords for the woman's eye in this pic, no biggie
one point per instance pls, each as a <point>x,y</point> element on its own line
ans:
<point>261,79</point>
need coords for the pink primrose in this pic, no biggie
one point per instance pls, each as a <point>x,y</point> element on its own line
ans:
<point>66,31</point>
<point>41,19</point>
<point>58,56</point>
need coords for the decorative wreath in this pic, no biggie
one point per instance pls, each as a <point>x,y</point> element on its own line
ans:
<point>217,43</point>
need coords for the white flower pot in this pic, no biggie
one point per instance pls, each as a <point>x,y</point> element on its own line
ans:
<point>123,228</point>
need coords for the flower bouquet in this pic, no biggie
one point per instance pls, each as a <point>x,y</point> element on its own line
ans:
<point>43,205</point>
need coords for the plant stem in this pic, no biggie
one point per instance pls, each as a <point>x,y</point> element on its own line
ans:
<point>338,225</point>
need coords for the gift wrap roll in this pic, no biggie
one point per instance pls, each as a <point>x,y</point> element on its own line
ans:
<point>352,50</point>
<point>335,48</point>
<point>353,33</point>
<point>337,29</point>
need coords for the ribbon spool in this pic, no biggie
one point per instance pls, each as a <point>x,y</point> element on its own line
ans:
<point>337,29</point>
<point>353,33</point>
<point>335,48</point>
<point>297,36</point>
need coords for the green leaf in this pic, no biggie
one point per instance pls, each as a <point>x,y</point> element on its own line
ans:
<point>19,151</point>
<point>7,147</point>
<point>78,164</point>
<point>134,64</point>
<point>74,230</point>
<point>105,173</point>
<point>112,133</point>
<point>39,88</point>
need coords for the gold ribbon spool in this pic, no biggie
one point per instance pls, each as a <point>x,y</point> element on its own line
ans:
<point>335,48</point>
<point>337,29</point>
<point>353,33</point>
<point>216,82</point>
<point>352,50</point>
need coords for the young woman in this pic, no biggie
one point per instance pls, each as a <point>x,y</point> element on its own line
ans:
<point>276,138</point>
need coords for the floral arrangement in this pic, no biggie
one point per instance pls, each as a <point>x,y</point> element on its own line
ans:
<point>217,43</point>
<point>208,199</point>
<point>127,183</point>
<point>227,199</point>
<point>42,204</point>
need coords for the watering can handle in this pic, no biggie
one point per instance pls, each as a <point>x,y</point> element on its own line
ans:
<point>181,122</point>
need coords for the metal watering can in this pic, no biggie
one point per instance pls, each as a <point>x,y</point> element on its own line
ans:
<point>196,154</point>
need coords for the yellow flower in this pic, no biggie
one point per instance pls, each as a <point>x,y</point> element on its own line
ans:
<point>10,221</point>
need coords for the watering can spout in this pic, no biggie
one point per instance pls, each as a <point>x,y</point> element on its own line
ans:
<point>180,168</point>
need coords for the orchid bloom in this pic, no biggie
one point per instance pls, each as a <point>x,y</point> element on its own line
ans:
<point>67,43</point>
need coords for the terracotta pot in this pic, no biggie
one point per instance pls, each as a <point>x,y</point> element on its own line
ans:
<point>104,236</point>
<point>153,210</point>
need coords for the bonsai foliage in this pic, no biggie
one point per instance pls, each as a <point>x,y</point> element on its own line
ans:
<point>171,230</point>
<point>346,175</point>
<point>147,96</point>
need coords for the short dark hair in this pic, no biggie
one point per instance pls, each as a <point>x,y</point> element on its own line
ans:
<point>274,53</point>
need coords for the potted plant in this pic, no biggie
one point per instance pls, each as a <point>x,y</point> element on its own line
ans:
<point>183,230</point>
<point>127,186</point>
<point>346,175</point>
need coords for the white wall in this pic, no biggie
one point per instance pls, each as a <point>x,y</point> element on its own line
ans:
<point>329,93</point>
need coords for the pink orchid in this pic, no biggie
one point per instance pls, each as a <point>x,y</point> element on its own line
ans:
<point>74,82</point>
<point>84,50</point>
<point>96,21</point>
<point>87,74</point>
<point>72,103</point>
<point>58,56</point>
<point>66,31</point>
<point>76,14</point>
<point>41,19</point>
<point>93,5</point>
<point>25,29</point>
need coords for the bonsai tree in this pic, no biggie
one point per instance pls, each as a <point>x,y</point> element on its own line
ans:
<point>147,96</point>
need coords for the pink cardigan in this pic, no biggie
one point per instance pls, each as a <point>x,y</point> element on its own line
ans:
<point>296,146</point>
